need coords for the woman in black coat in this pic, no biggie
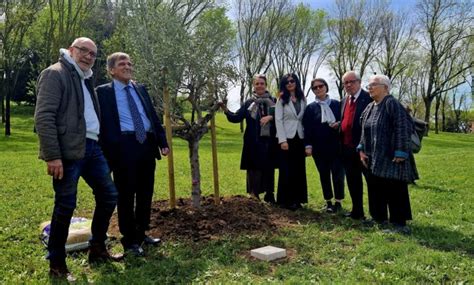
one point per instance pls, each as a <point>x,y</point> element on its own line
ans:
<point>260,144</point>
<point>321,122</point>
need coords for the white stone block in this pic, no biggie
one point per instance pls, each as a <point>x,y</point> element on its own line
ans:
<point>268,253</point>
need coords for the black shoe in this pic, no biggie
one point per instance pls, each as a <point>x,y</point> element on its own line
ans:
<point>60,272</point>
<point>354,216</point>
<point>372,223</point>
<point>98,253</point>
<point>396,228</point>
<point>337,207</point>
<point>329,207</point>
<point>294,207</point>
<point>135,250</point>
<point>151,241</point>
<point>269,198</point>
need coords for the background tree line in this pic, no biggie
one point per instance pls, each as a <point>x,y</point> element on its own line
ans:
<point>427,52</point>
<point>200,49</point>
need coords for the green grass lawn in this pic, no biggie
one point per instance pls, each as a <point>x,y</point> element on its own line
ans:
<point>337,250</point>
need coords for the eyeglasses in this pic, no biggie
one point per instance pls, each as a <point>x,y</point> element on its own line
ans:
<point>315,87</point>
<point>86,51</point>
<point>372,85</point>
<point>350,82</point>
<point>291,81</point>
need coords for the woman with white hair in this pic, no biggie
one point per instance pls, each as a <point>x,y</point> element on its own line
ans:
<point>385,150</point>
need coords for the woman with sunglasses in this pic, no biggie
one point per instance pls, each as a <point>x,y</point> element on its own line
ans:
<point>260,146</point>
<point>321,122</point>
<point>289,111</point>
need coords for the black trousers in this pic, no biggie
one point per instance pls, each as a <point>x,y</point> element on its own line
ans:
<point>330,167</point>
<point>354,170</point>
<point>292,186</point>
<point>134,176</point>
<point>388,193</point>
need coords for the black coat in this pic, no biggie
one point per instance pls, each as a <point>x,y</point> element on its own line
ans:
<point>323,139</point>
<point>362,101</point>
<point>258,152</point>
<point>110,124</point>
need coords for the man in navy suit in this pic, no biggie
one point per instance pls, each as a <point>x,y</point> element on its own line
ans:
<point>131,138</point>
<point>352,105</point>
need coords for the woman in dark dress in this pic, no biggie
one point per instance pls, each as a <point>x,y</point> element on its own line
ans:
<point>385,150</point>
<point>259,150</point>
<point>321,121</point>
<point>289,111</point>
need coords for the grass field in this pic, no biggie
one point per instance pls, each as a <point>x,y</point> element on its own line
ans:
<point>337,250</point>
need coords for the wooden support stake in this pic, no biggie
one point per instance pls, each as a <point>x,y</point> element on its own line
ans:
<point>214,160</point>
<point>169,138</point>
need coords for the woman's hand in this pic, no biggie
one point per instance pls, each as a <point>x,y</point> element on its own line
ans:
<point>334,125</point>
<point>398,159</point>
<point>223,106</point>
<point>364,159</point>
<point>284,146</point>
<point>265,120</point>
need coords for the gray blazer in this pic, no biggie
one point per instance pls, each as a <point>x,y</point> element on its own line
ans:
<point>287,121</point>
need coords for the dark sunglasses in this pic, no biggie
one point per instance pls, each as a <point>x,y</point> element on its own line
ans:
<point>290,81</point>
<point>315,87</point>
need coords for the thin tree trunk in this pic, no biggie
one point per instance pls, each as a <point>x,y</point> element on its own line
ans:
<point>443,113</point>
<point>242,97</point>
<point>7,109</point>
<point>195,172</point>
<point>437,104</point>
<point>2,97</point>
<point>427,101</point>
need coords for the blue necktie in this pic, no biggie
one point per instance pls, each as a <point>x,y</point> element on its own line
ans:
<point>140,132</point>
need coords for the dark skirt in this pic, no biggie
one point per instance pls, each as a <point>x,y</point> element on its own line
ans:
<point>292,186</point>
<point>260,181</point>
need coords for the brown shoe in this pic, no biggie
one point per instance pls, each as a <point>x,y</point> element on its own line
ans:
<point>99,254</point>
<point>59,271</point>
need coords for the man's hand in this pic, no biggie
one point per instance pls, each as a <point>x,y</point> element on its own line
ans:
<point>165,151</point>
<point>284,146</point>
<point>364,159</point>
<point>55,168</point>
<point>265,120</point>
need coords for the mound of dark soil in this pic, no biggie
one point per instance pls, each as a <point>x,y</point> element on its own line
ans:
<point>234,215</point>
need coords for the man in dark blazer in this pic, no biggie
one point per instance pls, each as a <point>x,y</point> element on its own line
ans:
<point>352,106</point>
<point>131,138</point>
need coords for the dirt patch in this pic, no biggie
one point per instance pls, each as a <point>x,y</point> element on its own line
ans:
<point>235,215</point>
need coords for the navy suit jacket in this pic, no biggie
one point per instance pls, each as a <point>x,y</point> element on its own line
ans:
<point>110,124</point>
<point>362,101</point>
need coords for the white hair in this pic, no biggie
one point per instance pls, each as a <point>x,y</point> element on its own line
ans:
<point>383,79</point>
<point>357,76</point>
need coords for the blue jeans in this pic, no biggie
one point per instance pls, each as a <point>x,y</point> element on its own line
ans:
<point>94,170</point>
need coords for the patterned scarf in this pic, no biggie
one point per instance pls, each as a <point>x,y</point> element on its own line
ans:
<point>259,108</point>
